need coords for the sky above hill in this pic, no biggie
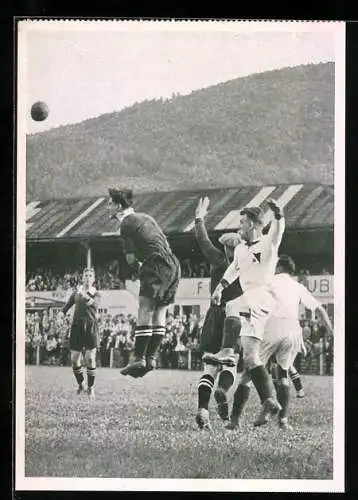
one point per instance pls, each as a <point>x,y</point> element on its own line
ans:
<point>84,70</point>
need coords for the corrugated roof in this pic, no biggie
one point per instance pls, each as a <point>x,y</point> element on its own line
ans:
<point>305,205</point>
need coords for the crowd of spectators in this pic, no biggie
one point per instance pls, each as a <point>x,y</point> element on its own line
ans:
<point>316,342</point>
<point>110,277</point>
<point>47,336</point>
<point>47,340</point>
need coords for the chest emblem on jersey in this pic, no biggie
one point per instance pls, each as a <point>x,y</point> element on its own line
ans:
<point>257,257</point>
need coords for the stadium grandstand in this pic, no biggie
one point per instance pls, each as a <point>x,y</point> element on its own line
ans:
<point>64,235</point>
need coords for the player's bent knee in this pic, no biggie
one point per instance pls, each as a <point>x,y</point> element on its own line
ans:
<point>245,378</point>
<point>75,358</point>
<point>159,316</point>
<point>90,357</point>
<point>145,312</point>
<point>251,360</point>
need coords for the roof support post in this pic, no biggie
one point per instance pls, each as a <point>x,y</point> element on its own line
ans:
<point>88,249</point>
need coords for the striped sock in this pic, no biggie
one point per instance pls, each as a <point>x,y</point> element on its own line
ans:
<point>296,379</point>
<point>77,371</point>
<point>205,388</point>
<point>155,341</point>
<point>91,374</point>
<point>143,335</point>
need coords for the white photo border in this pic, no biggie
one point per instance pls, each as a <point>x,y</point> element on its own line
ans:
<point>221,485</point>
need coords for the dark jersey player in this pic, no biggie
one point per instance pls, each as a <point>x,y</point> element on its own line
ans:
<point>212,330</point>
<point>84,330</point>
<point>159,277</point>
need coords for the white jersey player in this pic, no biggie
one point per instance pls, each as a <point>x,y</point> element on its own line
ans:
<point>282,336</point>
<point>254,263</point>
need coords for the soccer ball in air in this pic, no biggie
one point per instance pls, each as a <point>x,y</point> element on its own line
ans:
<point>39,111</point>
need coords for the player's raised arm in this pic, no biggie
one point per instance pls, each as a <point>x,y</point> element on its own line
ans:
<point>277,227</point>
<point>215,257</point>
<point>69,304</point>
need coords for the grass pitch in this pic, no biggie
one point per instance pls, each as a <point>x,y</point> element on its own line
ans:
<point>146,429</point>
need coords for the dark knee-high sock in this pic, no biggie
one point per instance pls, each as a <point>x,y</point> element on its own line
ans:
<point>205,388</point>
<point>143,335</point>
<point>241,396</point>
<point>77,371</point>
<point>261,381</point>
<point>232,328</point>
<point>155,341</point>
<point>283,396</point>
<point>296,379</point>
<point>91,375</point>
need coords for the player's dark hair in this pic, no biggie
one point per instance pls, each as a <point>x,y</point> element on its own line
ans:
<point>253,213</point>
<point>287,264</point>
<point>122,197</point>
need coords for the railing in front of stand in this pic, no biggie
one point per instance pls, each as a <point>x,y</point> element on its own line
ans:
<point>168,359</point>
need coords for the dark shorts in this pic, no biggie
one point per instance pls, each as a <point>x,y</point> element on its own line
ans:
<point>84,335</point>
<point>212,330</point>
<point>159,279</point>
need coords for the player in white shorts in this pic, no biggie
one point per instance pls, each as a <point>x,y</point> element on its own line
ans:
<point>254,263</point>
<point>282,337</point>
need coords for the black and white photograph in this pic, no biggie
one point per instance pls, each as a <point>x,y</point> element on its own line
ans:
<point>180,255</point>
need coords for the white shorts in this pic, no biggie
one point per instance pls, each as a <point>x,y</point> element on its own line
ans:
<point>282,338</point>
<point>259,302</point>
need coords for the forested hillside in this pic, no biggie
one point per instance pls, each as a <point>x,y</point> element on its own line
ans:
<point>274,127</point>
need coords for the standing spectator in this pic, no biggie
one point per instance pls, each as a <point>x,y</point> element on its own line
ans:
<point>322,331</point>
<point>316,347</point>
<point>106,343</point>
<point>328,356</point>
<point>187,269</point>
<point>29,330</point>
<point>120,340</point>
<point>168,346</point>
<point>194,347</point>
<point>192,328</point>
<point>306,335</point>
<point>179,330</point>
<point>36,342</point>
